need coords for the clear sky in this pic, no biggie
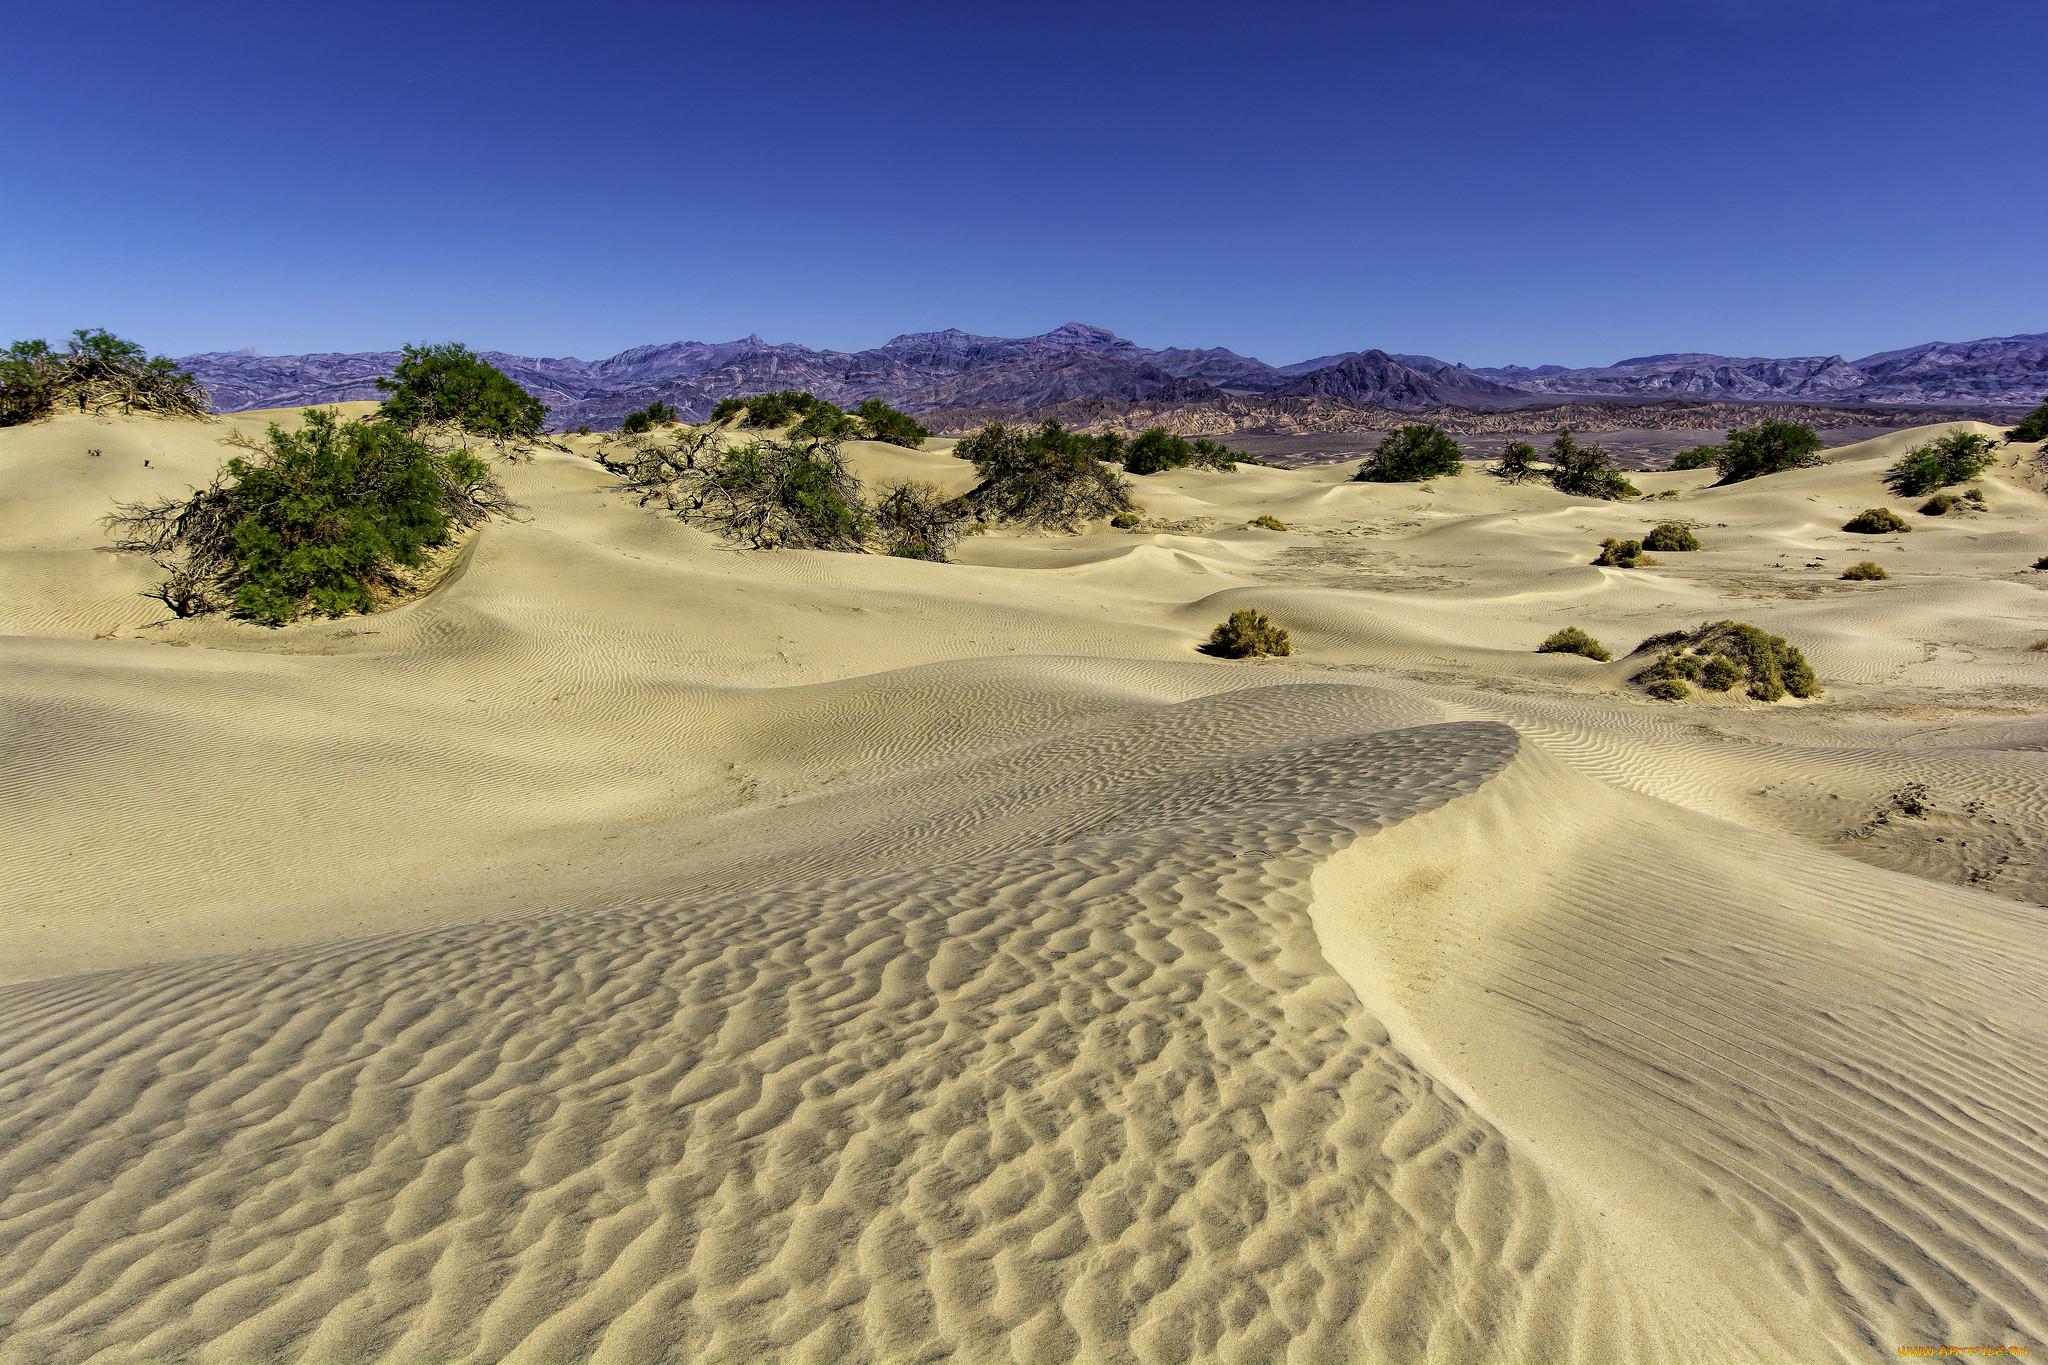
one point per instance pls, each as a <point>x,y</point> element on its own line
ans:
<point>1489,181</point>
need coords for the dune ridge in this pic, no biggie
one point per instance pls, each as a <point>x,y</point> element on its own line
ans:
<point>1825,1072</point>
<point>1089,1090</point>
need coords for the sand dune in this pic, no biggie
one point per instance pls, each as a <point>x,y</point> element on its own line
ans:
<point>638,949</point>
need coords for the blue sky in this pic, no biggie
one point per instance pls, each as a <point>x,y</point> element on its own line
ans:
<point>1480,180</point>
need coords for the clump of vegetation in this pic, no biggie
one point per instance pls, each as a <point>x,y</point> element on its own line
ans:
<point>655,414</point>
<point>791,493</point>
<point>1268,521</point>
<point>328,519</point>
<point>1572,640</point>
<point>1698,457</point>
<point>769,410</point>
<point>1671,537</point>
<point>449,388</point>
<point>1517,461</point>
<point>1865,571</point>
<point>1586,471</point>
<point>1049,478</point>
<point>825,423</point>
<point>766,494</point>
<point>1940,505</point>
<point>1156,449</point>
<point>1876,521</point>
<point>1125,521</point>
<point>1623,554</point>
<point>1771,667</point>
<point>1767,448</point>
<point>2042,562</point>
<point>773,494</point>
<point>917,521</point>
<point>1952,459</point>
<point>1720,673</point>
<point>2032,427</point>
<point>96,370</point>
<point>816,420</point>
<point>1248,634</point>
<point>1410,454</point>
<point>884,423</point>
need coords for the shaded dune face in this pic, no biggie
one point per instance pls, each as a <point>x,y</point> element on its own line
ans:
<point>1768,1067</point>
<point>1089,1089</point>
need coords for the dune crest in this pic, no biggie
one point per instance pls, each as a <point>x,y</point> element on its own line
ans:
<point>1090,1090</point>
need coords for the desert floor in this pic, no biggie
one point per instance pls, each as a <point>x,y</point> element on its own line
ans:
<point>639,949</point>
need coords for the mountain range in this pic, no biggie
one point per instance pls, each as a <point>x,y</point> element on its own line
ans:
<point>955,370</point>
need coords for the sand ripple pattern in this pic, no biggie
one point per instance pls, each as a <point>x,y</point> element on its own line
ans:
<point>1090,1094</point>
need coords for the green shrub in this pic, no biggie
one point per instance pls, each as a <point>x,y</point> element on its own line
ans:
<point>1772,667</point>
<point>784,494</point>
<point>655,414</point>
<point>1157,448</point>
<point>1248,634</point>
<point>1699,457</point>
<point>2032,427</point>
<point>1767,448</point>
<point>776,409</point>
<point>1517,462</point>
<point>1876,521</point>
<point>1125,521</point>
<point>1975,495</point>
<point>1623,554</point>
<point>1955,458</point>
<point>1585,471</point>
<point>1049,478</point>
<point>884,423</point>
<point>1868,570</point>
<point>95,370</point>
<point>325,519</point>
<point>825,423</point>
<point>768,494</point>
<point>1572,640</point>
<point>1410,454</point>
<point>917,521</point>
<point>447,386</point>
<point>1940,505</point>
<point>1267,521</point>
<point>1671,537</point>
<point>2042,562</point>
<point>1720,673</point>
<point>1669,677</point>
<point>1673,663</point>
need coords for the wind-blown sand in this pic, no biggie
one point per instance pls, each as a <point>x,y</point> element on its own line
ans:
<point>642,950</point>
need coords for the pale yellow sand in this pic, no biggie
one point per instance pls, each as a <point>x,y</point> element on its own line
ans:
<point>643,950</point>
